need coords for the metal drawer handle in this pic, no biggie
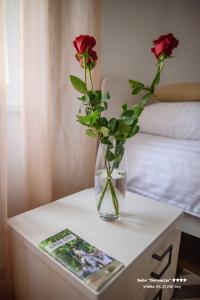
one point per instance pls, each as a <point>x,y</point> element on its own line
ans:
<point>160,257</point>
<point>158,296</point>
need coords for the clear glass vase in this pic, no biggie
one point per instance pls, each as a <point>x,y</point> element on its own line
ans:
<point>110,181</point>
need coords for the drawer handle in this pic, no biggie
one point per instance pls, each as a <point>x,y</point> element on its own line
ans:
<point>160,257</point>
<point>158,296</point>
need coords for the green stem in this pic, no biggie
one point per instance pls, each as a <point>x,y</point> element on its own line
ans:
<point>114,197</point>
<point>153,84</point>
<point>102,196</point>
<point>157,77</point>
<point>85,70</point>
<point>90,78</point>
<point>113,194</point>
<point>112,190</point>
<point>107,166</point>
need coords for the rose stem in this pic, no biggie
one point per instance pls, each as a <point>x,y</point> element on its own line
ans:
<point>85,69</point>
<point>90,78</point>
<point>102,196</point>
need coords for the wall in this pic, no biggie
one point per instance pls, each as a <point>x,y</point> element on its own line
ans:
<point>128,28</point>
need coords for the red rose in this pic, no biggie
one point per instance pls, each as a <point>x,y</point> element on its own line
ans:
<point>164,45</point>
<point>84,42</point>
<point>92,57</point>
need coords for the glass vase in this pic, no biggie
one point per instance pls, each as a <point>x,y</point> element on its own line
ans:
<point>110,181</point>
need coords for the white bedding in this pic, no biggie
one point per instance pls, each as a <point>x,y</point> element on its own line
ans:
<point>165,169</point>
<point>179,120</point>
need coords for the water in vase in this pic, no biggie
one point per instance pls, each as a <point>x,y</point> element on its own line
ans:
<point>106,208</point>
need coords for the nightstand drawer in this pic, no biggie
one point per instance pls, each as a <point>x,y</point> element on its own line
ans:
<point>140,275</point>
<point>158,291</point>
<point>127,284</point>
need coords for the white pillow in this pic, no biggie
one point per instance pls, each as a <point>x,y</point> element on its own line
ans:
<point>179,120</point>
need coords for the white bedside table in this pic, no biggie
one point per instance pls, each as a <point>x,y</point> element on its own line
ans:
<point>147,231</point>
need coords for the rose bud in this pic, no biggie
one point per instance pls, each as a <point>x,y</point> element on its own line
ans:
<point>92,57</point>
<point>83,43</point>
<point>164,45</point>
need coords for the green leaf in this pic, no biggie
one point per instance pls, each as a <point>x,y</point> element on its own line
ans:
<point>112,124</point>
<point>97,98</point>
<point>136,90</point>
<point>103,121</point>
<point>119,136</point>
<point>91,95</point>
<point>100,122</point>
<point>93,98</point>
<point>98,94</point>
<point>82,98</point>
<point>106,141</point>
<point>133,131</point>
<point>88,110</point>
<point>127,113</point>
<point>123,128</point>
<point>136,86</point>
<point>104,131</point>
<point>93,117</point>
<point>124,107</point>
<point>137,108</point>
<point>109,155</point>
<point>105,96</point>
<point>85,120</point>
<point>78,84</point>
<point>104,106</point>
<point>129,120</point>
<point>89,119</point>
<point>91,132</point>
<point>119,152</point>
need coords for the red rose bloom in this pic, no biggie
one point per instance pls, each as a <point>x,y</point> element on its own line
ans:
<point>84,42</point>
<point>92,57</point>
<point>164,45</point>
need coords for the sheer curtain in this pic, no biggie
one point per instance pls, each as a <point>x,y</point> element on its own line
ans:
<point>73,152</point>
<point>49,155</point>
<point>54,156</point>
<point>3,188</point>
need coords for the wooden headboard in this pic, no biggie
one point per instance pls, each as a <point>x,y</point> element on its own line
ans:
<point>178,92</point>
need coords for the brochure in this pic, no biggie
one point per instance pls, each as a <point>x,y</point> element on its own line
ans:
<point>87,262</point>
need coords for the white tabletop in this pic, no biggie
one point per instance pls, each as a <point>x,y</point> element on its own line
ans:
<point>141,223</point>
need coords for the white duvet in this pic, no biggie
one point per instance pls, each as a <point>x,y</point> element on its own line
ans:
<point>165,169</point>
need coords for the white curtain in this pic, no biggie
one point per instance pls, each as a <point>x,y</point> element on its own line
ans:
<point>49,154</point>
<point>4,282</point>
<point>73,152</point>
<point>56,157</point>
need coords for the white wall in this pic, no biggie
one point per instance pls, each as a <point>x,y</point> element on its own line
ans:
<point>128,28</point>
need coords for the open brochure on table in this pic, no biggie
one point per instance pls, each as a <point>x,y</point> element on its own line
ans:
<point>90,264</point>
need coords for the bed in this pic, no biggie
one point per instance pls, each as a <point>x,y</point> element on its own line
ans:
<point>164,157</point>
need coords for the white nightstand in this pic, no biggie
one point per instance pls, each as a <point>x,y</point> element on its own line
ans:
<point>148,231</point>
